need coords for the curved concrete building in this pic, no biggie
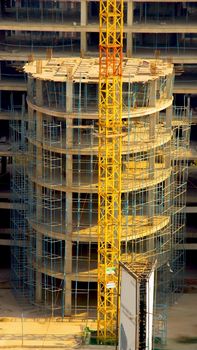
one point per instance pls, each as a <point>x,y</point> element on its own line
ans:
<point>60,152</point>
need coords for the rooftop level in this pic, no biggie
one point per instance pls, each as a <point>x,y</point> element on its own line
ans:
<point>87,70</point>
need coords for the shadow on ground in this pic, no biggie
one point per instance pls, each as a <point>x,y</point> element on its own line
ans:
<point>187,340</point>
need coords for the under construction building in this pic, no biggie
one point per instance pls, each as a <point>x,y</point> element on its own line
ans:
<point>52,147</point>
<point>55,183</point>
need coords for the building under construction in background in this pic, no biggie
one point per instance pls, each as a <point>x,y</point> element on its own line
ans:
<point>55,183</point>
<point>52,148</point>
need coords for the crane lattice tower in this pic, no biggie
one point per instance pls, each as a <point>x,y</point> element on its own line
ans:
<point>109,179</point>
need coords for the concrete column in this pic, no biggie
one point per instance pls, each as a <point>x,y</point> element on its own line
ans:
<point>141,11</point>
<point>130,9</point>
<point>186,130</point>
<point>39,94</point>
<point>41,5</point>
<point>169,86</point>
<point>83,47</point>
<point>69,96</point>
<point>169,112</point>
<point>0,91</point>
<point>130,24</point>
<point>152,98</point>
<point>3,165</point>
<point>30,89</point>
<point>38,207</point>
<point>69,206</point>
<point>152,126</point>
<point>83,13</point>
<point>17,5</point>
<point>151,191</point>
<point>178,9</point>
<point>129,44</point>
<point>167,159</point>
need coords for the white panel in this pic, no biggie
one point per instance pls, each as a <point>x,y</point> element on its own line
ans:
<point>149,315</point>
<point>128,312</point>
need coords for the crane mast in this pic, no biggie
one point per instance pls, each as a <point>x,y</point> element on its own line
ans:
<point>109,164</point>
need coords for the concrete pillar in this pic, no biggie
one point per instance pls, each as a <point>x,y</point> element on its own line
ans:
<point>169,112</point>
<point>130,9</point>
<point>141,12</point>
<point>69,208</point>
<point>83,47</point>
<point>38,207</point>
<point>83,13</point>
<point>41,6</point>
<point>3,165</point>
<point>169,86</point>
<point>30,84</point>
<point>129,44</point>
<point>167,160</point>
<point>129,24</point>
<point>17,5</point>
<point>69,96</point>
<point>151,190</point>
<point>152,126</point>
<point>68,242</point>
<point>0,91</point>
<point>39,94</point>
<point>152,98</point>
<point>186,130</point>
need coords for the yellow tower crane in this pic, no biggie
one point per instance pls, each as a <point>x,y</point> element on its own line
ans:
<point>109,164</point>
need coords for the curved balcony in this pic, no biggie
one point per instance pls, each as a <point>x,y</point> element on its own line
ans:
<point>136,140</point>
<point>131,181</point>
<point>92,113</point>
<point>133,227</point>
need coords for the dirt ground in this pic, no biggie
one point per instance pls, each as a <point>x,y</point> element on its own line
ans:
<point>182,324</point>
<point>22,328</point>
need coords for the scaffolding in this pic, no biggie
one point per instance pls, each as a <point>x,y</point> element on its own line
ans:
<point>19,188</point>
<point>181,130</point>
<point>45,213</point>
<point>59,186</point>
